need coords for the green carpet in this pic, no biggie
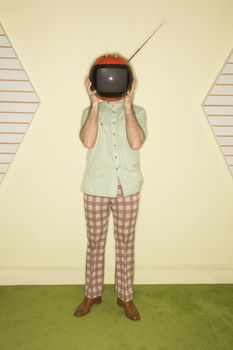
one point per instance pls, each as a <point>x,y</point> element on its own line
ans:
<point>182,317</point>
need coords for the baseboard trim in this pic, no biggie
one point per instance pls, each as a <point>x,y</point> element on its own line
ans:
<point>144,274</point>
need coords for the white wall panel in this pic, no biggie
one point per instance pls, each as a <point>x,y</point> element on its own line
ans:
<point>218,107</point>
<point>18,103</point>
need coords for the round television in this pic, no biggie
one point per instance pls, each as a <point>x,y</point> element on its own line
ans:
<point>111,76</point>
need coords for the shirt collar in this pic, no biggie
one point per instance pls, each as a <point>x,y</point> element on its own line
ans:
<point>114,104</point>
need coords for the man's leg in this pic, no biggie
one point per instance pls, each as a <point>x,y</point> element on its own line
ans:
<point>125,211</point>
<point>97,210</point>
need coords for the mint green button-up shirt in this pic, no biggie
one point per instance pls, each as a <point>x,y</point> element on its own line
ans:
<point>111,159</point>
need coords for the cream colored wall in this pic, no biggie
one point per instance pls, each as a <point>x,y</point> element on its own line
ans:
<point>184,231</point>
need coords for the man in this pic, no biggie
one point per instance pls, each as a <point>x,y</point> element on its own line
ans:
<point>113,132</point>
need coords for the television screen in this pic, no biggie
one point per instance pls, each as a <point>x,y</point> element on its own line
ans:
<point>111,80</point>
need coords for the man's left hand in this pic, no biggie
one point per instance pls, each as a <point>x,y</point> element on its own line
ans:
<point>130,93</point>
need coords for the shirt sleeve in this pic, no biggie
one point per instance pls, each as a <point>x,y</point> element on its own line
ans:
<point>142,119</point>
<point>84,116</point>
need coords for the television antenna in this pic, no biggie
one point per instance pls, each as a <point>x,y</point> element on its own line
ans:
<point>147,39</point>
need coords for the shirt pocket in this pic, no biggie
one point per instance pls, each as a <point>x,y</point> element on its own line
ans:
<point>103,129</point>
<point>122,130</point>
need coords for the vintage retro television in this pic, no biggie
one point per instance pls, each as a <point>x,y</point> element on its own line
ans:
<point>111,77</point>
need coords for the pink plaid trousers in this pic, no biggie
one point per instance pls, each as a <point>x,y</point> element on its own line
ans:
<point>97,211</point>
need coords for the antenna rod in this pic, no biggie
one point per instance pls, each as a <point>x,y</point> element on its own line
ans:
<point>145,41</point>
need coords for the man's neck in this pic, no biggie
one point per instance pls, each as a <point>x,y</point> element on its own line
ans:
<point>113,103</point>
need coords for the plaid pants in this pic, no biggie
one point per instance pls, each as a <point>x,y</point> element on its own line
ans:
<point>97,211</point>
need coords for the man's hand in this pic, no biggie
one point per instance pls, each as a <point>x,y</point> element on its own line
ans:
<point>130,93</point>
<point>92,94</point>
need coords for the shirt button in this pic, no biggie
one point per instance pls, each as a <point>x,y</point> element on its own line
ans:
<point>116,168</point>
<point>114,145</point>
<point>113,111</point>
<point>115,157</point>
<point>114,133</point>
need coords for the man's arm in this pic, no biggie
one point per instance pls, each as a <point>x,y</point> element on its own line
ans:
<point>134,131</point>
<point>88,131</point>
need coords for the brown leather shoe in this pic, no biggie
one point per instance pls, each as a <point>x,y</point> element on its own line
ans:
<point>130,308</point>
<point>85,306</point>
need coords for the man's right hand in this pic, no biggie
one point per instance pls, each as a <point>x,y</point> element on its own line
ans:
<point>94,99</point>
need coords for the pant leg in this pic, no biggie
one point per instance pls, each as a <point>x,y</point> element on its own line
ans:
<point>125,209</point>
<point>97,210</point>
